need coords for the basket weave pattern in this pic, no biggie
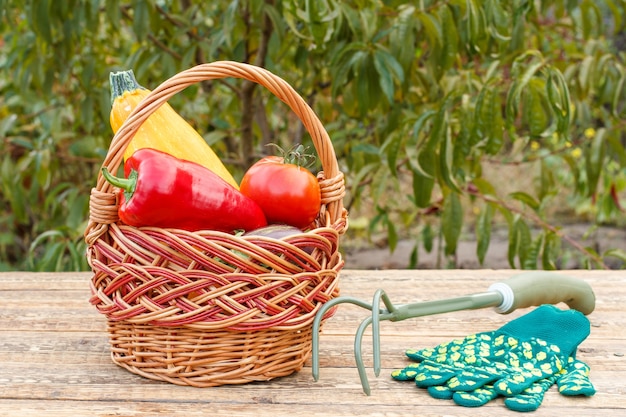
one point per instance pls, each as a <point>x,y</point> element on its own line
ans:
<point>209,308</point>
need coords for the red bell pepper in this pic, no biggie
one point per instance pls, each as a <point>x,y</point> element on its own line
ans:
<point>163,191</point>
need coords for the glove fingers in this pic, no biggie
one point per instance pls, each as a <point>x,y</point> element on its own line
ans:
<point>420,354</point>
<point>406,374</point>
<point>531,398</point>
<point>473,378</point>
<point>516,383</point>
<point>441,392</point>
<point>431,374</point>
<point>576,381</point>
<point>475,398</point>
<point>425,374</point>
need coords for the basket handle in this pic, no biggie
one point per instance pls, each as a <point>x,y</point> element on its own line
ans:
<point>332,177</point>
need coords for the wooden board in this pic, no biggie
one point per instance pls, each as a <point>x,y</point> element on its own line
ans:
<point>55,360</point>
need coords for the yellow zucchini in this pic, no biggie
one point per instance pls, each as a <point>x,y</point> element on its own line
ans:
<point>164,130</point>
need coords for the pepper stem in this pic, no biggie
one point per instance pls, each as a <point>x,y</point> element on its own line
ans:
<point>127,184</point>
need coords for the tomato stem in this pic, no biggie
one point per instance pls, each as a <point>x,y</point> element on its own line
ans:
<point>296,155</point>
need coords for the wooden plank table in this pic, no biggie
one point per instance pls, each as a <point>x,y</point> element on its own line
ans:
<point>54,354</point>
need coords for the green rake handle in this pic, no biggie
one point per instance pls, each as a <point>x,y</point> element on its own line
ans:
<point>520,291</point>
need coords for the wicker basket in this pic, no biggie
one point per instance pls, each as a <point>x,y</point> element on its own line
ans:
<point>209,308</point>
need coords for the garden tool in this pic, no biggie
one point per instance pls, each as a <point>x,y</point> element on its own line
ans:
<point>520,291</point>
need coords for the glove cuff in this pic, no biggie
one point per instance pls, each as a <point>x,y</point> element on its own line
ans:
<point>563,328</point>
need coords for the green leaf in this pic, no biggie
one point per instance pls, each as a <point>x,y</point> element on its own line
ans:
<point>360,175</point>
<point>86,113</point>
<point>381,216</point>
<point>428,238</point>
<point>388,69</point>
<point>585,74</point>
<point>403,34</point>
<point>345,64</point>
<point>43,173</point>
<point>594,161</point>
<point>559,99</point>
<point>384,75</point>
<point>392,235</point>
<point>450,46</point>
<point>533,252</point>
<point>591,19</point>
<point>617,97</point>
<point>518,33</point>
<point>616,14</point>
<point>498,22</point>
<point>77,211</point>
<point>43,236</point>
<point>277,22</point>
<point>40,19</point>
<point>367,148</point>
<point>523,241</point>
<point>7,124</point>
<point>415,147</point>
<point>615,253</point>
<point>414,257</point>
<point>512,247</point>
<point>51,257</point>
<point>550,251</point>
<point>534,111</point>
<point>520,241</point>
<point>474,24</point>
<point>520,83</point>
<point>422,189</point>
<point>488,121</point>
<point>292,19</point>
<point>113,14</point>
<point>451,221</point>
<point>618,151</point>
<point>441,138</point>
<point>432,28</point>
<point>525,198</point>
<point>367,87</point>
<point>485,187</point>
<point>391,148</point>
<point>314,21</point>
<point>141,19</point>
<point>446,161</point>
<point>483,232</point>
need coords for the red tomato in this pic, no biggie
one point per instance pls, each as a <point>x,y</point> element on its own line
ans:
<point>285,192</point>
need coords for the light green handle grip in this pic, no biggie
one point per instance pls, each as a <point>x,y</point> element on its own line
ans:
<point>543,287</point>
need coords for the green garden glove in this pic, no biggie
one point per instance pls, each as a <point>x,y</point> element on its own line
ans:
<point>520,361</point>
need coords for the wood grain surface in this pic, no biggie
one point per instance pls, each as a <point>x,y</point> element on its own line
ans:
<point>55,360</point>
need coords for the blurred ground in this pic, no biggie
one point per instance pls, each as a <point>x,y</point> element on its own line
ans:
<point>378,257</point>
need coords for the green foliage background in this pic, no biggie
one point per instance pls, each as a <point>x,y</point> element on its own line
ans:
<point>418,97</point>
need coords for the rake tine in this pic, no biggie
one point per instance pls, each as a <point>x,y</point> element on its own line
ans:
<point>317,323</point>
<point>376,330</point>
<point>358,339</point>
<point>377,316</point>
